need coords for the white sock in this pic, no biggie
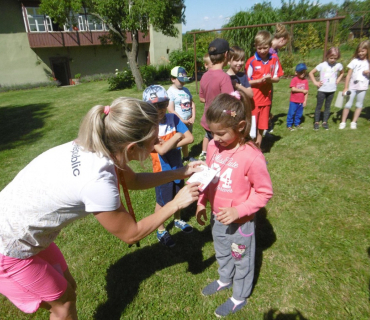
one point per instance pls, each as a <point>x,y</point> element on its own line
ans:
<point>204,152</point>
<point>222,284</point>
<point>236,302</point>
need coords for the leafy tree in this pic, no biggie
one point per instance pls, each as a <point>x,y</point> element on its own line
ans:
<point>202,40</point>
<point>307,40</point>
<point>259,14</point>
<point>121,16</point>
<point>353,11</point>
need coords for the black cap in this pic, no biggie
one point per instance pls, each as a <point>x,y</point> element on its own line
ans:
<point>221,46</point>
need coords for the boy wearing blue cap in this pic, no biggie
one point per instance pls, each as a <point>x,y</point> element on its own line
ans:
<point>181,103</point>
<point>298,97</point>
<point>172,135</point>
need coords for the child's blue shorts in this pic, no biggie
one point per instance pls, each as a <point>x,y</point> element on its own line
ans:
<point>166,192</point>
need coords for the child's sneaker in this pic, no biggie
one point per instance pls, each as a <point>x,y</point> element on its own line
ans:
<point>353,125</point>
<point>214,287</point>
<point>228,307</point>
<point>342,125</point>
<point>325,125</point>
<point>316,126</point>
<point>299,127</point>
<point>202,156</point>
<point>181,224</point>
<point>290,129</point>
<point>165,238</point>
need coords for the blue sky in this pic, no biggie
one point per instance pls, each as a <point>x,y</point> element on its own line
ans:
<point>212,14</point>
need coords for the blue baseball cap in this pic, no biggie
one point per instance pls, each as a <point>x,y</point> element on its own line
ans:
<point>180,73</point>
<point>300,67</point>
<point>155,93</point>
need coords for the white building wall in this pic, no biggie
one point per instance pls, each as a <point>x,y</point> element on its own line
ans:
<point>161,45</point>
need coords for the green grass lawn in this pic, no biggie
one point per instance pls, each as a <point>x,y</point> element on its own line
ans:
<point>313,248</point>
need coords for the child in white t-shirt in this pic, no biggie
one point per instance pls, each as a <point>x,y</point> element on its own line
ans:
<point>357,81</point>
<point>181,103</point>
<point>327,85</point>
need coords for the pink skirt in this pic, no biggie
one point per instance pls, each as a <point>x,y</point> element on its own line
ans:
<point>28,282</point>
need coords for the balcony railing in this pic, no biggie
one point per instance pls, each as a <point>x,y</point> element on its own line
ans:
<point>40,32</point>
<point>74,39</point>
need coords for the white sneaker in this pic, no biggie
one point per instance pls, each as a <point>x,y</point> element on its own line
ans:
<point>342,125</point>
<point>353,125</point>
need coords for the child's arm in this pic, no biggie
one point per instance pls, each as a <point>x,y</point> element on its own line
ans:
<point>275,80</point>
<point>305,99</point>
<point>201,214</point>
<point>296,90</point>
<point>312,77</point>
<point>340,75</point>
<point>262,192</point>
<point>253,83</point>
<point>348,77</point>
<point>275,70</point>
<point>163,148</point>
<point>247,91</point>
<point>171,109</point>
<point>192,118</point>
<point>187,139</point>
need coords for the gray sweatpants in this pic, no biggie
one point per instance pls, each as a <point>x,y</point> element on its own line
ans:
<point>235,247</point>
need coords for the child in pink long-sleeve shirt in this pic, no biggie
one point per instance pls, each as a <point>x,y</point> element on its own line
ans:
<point>240,188</point>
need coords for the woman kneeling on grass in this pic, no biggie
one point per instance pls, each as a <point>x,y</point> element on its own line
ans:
<point>67,183</point>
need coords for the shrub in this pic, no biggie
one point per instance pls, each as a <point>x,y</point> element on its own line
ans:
<point>287,63</point>
<point>148,74</point>
<point>163,72</point>
<point>96,77</point>
<point>185,59</point>
<point>121,80</point>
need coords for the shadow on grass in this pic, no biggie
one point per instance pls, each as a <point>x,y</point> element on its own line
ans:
<point>196,149</point>
<point>274,314</point>
<point>268,142</point>
<point>18,122</point>
<point>125,276</point>
<point>368,253</point>
<point>337,116</point>
<point>265,238</point>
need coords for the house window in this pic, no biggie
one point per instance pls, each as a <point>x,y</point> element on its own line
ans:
<point>94,24</point>
<point>86,22</point>
<point>79,21</point>
<point>37,21</point>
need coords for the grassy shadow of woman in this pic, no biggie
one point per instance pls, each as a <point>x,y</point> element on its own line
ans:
<point>124,277</point>
<point>265,238</point>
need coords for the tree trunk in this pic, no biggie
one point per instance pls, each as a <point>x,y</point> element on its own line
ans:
<point>132,58</point>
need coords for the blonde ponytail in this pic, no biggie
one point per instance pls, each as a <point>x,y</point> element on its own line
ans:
<point>127,120</point>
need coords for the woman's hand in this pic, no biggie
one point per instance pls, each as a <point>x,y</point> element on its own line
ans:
<point>187,195</point>
<point>192,167</point>
<point>227,215</point>
<point>201,215</point>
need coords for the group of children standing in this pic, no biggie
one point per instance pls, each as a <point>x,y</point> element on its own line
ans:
<point>331,72</point>
<point>237,110</point>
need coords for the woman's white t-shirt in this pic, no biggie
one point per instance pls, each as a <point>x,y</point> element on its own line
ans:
<point>59,186</point>
<point>358,81</point>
